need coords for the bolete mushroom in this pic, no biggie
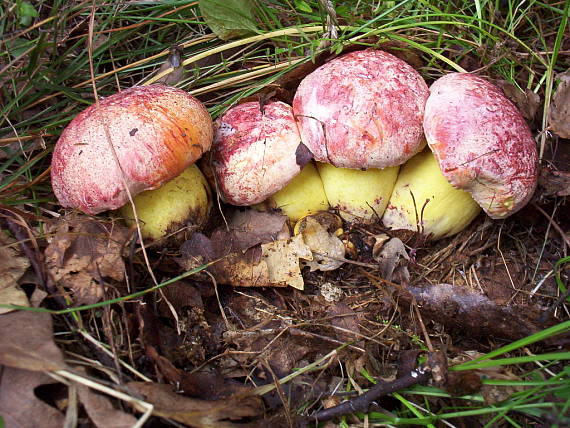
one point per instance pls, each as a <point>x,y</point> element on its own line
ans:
<point>257,150</point>
<point>481,142</point>
<point>137,139</point>
<point>180,206</point>
<point>258,159</point>
<point>302,196</point>
<point>364,111</point>
<point>359,196</point>
<point>484,156</point>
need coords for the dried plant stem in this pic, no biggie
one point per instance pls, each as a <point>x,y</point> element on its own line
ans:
<point>140,405</point>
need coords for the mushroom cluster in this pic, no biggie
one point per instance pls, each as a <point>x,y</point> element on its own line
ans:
<point>365,118</point>
<point>364,136</point>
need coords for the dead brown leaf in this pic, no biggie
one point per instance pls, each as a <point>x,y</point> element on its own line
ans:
<point>527,102</point>
<point>172,61</point>
<point>164,366</point>
<point>198,413</point>
<point>345,321</point>
<point>12,267</point>
<point>84,252</point>
<point>389,257</point>
<point>241,261</point>
<point>554,182</point>
<point>251,227</point>
<point>210,385</point>
<point>27,342</point>
<point>328,250</point>
<point>560,107</point>
<point>19,405</point>
<point>470,312</point>
<point>181,294</point>
<point>282,260</point>
<point>242,269</point>
<point>493,394</point>
<point>101,411</point>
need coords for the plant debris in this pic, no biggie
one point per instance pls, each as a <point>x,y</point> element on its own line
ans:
<point>27,342</point>
<point>560,107</point>
<point>198,413</point>
<point>84,254</point>
<point>13,265</point>
<point>19,405</point>
<point>253,320</point>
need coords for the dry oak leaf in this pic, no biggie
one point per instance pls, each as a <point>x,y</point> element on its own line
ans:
<point>527,102</point>
<point>560,107</point>
<point>389,257</point>
<point>198,413</point>
<point>12,267</point>
<point>327,249</point>
<point>251,227</point>
<point>27,342</point>
<point>85,252</point>
<point>19,405</point>
<point>241,261</point>
<point>282,260</point>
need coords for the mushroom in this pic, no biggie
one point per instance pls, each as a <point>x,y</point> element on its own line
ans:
<point>483,156</point>
<point>258,159</point>
<point>257,150</point>
<point>363,111</point>
<point>137,139</point>
<point>481,142</point>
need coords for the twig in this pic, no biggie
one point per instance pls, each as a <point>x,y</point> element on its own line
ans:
<point>422,325</point>
<point>362,402</point>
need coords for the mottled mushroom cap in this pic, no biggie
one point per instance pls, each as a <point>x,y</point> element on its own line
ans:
<point>481,142</point>
<point>156,132</point>
<point>256,152</point>
<point>362,110</point>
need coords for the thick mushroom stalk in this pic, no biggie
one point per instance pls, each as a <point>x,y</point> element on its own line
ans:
<point>359,196</point>
<point>303,195</point>
<point>482,143</point>
<point>362,110</point>
<point>424,201</point>
<point>177,208</point>
<point>140,138</point>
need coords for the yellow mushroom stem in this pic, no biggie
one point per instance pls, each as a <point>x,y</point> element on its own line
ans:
<point>303,195</point>
<point>358,195</point>
<point>182,204</point>
<point>424,201</point>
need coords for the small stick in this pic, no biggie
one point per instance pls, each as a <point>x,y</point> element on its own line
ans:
<point>362,402</point>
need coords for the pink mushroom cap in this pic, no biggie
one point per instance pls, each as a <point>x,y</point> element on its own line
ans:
<point>256,152</point>
<point>362,110</point>
<point>156,131</point>
<point>482,143</point>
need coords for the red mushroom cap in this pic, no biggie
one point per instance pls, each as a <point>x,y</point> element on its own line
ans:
<point>362,110</point>
<point>256,151</point>
<point>157,131</point>
<point>482,143</point>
